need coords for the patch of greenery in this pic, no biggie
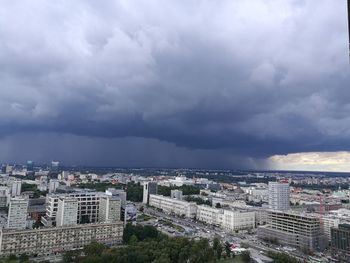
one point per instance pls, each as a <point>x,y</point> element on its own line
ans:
<point>281,257</point>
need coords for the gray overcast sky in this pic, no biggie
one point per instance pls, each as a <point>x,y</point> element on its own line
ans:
<point>172,83</point>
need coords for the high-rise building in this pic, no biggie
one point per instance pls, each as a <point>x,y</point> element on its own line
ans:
<point>340,242</point>
<point>177,194</point>
<point>55,166</point>
<point>53,185</point>
<point>15,187</point>
<point>9,169</point>
<point>109,209</point>
<point>88,206</point>
<point>148,189</point>
<point>119,193</point>
<point>42,183</point>
<point>17,214</point>
<point>279,196</point>
<point>4,193</point>
<point>30,166</point>
<point>3,168</point>
<point>67,212</point>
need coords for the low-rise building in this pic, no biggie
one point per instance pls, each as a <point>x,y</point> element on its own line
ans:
<point>234,220</point>
<point>173,206</point>
<point>230,220</point>
<point>58,239</point>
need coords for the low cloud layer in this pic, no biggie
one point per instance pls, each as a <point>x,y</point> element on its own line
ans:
<point>243,80</point>
<point>315,161</point>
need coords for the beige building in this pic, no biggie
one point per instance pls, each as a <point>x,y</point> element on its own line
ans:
<point>238,219</point>
<point>209,215</point>
<point>173,206</point>
<point>58,239</point>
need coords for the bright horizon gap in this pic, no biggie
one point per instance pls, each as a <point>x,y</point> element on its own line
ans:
<point>338,161</point>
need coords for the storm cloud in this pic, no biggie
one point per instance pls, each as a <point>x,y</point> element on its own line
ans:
<point>224,81</point>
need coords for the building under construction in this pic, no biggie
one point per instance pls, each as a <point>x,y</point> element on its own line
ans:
<point>299,230</point>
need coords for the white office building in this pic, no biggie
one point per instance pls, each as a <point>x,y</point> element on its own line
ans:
<point>279,196</point>
<point>67,212</point>
<point>53,185</point>
<point>4,194</point>
<point>148,189</point>
<point>17,214</point>
<point>177,194</point>
<point>118,193</point>
<point>15,187</point>
<point>110,207</point>
<point>173,206</point>
<point>230,220</point>
<point>88,206</point>
<point>42,186</point>
<point>209,215</point>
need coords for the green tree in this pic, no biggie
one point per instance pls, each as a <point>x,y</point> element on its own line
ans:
<point>217,247</point>
<point>94,249</point>
<point>70,256</point>
<point>133,240</point>
<point>23,258</point>
<point>227,249</point>
<point>245,256</point>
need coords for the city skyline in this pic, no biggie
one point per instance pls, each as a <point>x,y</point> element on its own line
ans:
<point>186,84</point>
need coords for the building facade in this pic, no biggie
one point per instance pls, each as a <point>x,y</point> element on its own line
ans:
<point>177,194</point>
<point>340,242</point>
<point>67,212</point>
<point>300,230</point>
<point>88,206</point>
<point>45,241</point>
<point>15,186</point>
<point>148,189</point>
<point>279,196</point>
<point>17,214</point>
<point>110,208</point>
<point>230,220</point>
<point>4,194</point>
<point>53,185</point>
<point>173,206</point>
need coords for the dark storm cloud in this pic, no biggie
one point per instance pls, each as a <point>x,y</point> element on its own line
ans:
<point>234,78</point>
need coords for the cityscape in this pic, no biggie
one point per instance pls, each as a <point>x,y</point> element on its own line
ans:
<point>187,131</point>
<point>50,211</point>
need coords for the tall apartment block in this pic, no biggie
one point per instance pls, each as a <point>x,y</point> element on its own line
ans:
<point>15,187</point>
<point>53,185</point>
<point>279,196</point>
<point>4,193</point>
<point>67,212</point>
<point>17,214</point>
<point>118,193</point>
<point>110,207</point>
<point>148,189</point>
